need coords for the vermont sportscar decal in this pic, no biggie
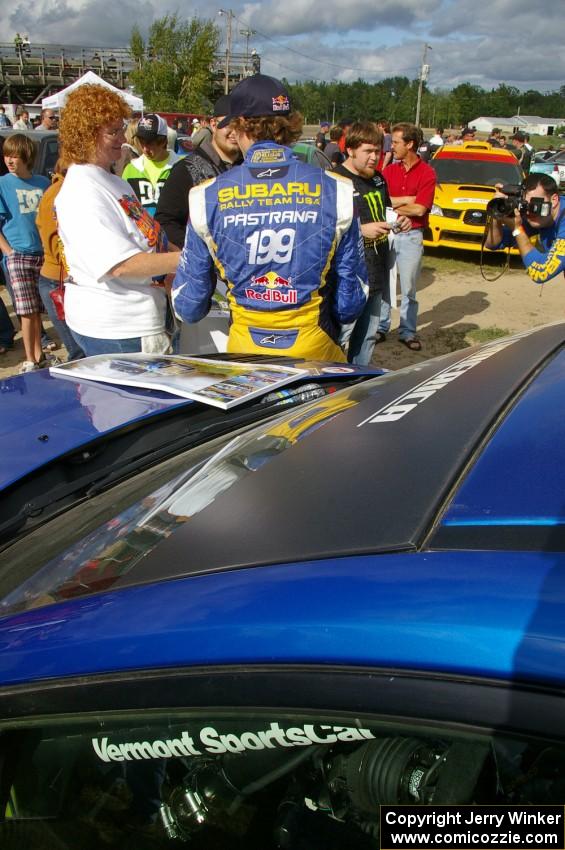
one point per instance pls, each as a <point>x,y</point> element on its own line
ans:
<point>210,740</point>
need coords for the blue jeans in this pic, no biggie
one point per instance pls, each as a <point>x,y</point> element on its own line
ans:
<point>408,251</point>
<point>47,285</point>
<point>362,334</point>
<point>92,345</point>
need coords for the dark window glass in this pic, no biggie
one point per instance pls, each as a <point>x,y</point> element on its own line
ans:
<point>474,171</point>
<point>249,780</point>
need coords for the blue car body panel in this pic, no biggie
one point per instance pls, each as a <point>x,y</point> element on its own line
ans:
<point>518,477</point>
<point>497,615</point>
<point>363,541</point>
<point>43,417</point>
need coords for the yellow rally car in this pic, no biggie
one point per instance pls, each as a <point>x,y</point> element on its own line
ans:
<point>466,178</point>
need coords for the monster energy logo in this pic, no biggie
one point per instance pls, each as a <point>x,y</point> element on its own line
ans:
<point>376,206</point>
<point>377,209</point>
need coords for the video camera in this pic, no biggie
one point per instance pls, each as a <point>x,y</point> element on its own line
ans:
<point>504,207</point>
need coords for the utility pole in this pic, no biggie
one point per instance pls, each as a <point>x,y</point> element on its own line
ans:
<point>247,33</point>
<point>424,71</point>
<point>229,14</point>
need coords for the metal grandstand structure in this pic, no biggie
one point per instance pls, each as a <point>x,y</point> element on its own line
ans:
<point>29,73</point>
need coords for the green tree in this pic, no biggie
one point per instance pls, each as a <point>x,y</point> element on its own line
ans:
<point>468,101</point>
<point>137,47</point>
<point>174,72</point>
<point>504,100</point>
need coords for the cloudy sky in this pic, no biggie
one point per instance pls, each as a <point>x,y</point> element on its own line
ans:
<point>509,41</point>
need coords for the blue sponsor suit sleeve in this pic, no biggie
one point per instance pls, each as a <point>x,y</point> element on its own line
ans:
<point>195,280</point>
<point>542,265</point>
<point>351,275</point>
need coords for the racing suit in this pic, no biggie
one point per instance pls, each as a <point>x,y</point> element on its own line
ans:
<point>284,237</point>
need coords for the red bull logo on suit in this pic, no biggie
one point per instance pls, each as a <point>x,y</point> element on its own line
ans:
<point>274,289</point>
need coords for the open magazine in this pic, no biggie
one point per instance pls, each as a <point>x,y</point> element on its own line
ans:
<point>220,383</point>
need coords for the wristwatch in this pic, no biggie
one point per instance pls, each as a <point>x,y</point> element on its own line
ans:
<point>518,230</point>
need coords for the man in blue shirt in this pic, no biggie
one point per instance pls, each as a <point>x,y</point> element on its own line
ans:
<point>547,222</point>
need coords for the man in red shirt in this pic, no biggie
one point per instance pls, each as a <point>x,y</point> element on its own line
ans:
<point>345,124</point>
<point>411,185</point>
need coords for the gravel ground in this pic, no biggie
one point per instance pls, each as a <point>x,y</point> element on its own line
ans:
<point>457,309</point>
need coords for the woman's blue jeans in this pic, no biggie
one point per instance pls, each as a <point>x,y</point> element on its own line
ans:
<point>47,285</point>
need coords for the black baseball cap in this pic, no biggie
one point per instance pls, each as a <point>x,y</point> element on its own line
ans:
<point>222,106</point>
<point>257,96</point>
<point>518,137</point>
<point>150,127</point>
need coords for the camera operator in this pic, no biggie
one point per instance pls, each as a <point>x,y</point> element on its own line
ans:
<point>541,213</point>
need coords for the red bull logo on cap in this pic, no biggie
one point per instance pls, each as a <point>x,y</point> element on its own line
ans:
<point>281,103</point>
<point>275,287</point>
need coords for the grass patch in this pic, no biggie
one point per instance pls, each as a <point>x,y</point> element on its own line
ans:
<point>445,340</point>
<point>444,260</point>
<point>450,261</point>
<point>487,334</point>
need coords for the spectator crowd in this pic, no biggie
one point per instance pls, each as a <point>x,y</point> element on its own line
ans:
<point>132,237</point>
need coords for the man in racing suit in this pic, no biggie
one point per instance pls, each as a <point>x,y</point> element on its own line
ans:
<point>283,235</point>
<point>546,221</point>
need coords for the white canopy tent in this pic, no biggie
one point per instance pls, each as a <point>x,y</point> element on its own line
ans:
<point>57,100</point>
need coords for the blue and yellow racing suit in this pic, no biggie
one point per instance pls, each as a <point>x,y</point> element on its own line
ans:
<point>284,237</point>
<point>542,265</point>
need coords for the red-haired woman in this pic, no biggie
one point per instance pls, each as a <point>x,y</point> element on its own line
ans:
<point>113,249</point>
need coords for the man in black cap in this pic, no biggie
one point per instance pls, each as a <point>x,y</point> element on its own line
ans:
<point>468,134</point>
<point>321,140</point>
<point>521,151</point>
<point>148,173</point>
<point>283,235</point>
<point>209,159</point>
<point>494,138</point>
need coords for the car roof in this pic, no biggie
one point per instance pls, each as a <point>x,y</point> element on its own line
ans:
<point>309,153</point>
<point>334,523</point>
<point>393,417</point>
<point>358,437</point>
<point>512,497</point>
<point>474,150</point>
<point>35,133</point>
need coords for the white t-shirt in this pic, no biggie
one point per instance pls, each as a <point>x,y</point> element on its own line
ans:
<point>101,223</point>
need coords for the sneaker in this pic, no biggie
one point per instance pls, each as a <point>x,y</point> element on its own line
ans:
<point>50,346</point>
<point>29,366</point>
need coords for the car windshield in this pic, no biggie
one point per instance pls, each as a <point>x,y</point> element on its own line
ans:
<point>479,172</point>
<point>91,552</point>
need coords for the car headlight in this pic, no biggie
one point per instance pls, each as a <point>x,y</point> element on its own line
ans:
<point>435,210</point>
